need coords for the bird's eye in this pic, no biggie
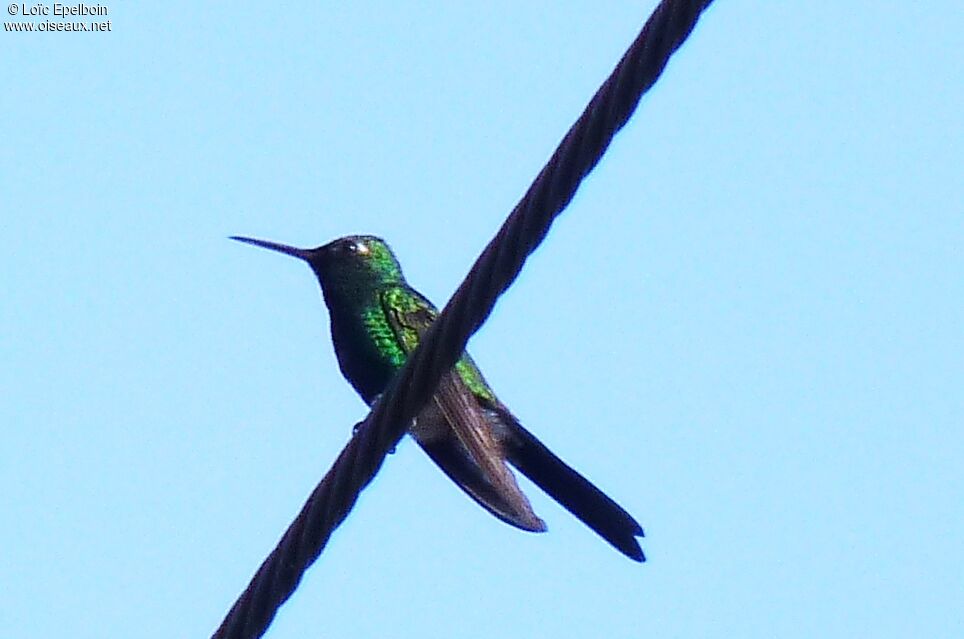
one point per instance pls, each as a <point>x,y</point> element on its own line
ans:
<point>351,247</point>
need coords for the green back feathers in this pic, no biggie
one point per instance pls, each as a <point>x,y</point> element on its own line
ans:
<point>410,315</point>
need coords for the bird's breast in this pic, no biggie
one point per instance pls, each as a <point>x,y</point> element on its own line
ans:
<point>364,354</point>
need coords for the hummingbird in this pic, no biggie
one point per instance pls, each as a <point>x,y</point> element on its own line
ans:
<point>377,320</point>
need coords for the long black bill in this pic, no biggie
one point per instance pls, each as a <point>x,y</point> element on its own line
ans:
<point>274,246</point>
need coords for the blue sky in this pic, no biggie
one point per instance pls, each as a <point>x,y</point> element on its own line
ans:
<point>746,328</point>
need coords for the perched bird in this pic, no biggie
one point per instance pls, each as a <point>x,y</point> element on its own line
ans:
<point>377,319</point>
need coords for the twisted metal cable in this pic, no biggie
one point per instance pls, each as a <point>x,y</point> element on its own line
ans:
<point>493,272</point>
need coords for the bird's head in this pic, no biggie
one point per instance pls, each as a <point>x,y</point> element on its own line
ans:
<point>350,265</point>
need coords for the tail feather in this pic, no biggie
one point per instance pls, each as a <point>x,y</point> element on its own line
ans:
<point>573,491</point>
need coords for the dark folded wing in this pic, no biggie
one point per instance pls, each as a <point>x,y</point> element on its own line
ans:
<point>467,449</point>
